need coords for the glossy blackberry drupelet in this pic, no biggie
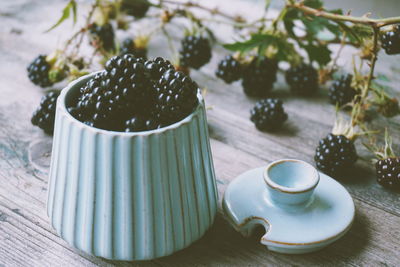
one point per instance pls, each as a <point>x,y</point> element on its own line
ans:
<point>176,97</point>
<point>302,79</point>
<point>38,71</point>
<point>229,69</point>
<point>268,114</point>
<point>44,116</point>
<point>388,173</point>
<point>341,91</point>
<point>259,77</point>
<point>390,41</point>
<point>157,67</point>
<point>102,36</point>
<point>136,8</point>
<point>335,154</point>
<point>140,123</point>
<point>195,52</point>
<point>128,47</point>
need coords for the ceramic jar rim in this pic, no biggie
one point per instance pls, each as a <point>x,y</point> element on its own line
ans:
<point>62,105</point>
<point>310,185</point>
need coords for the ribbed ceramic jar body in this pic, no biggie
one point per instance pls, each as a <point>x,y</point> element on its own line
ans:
<point>130,196</point>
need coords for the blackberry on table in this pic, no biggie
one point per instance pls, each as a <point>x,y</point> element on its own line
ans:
<point>390,40</point>
<point>341,91</point>
<point>44,116</point>
<point>103,36</point>
<point>335,154</point>
<point>268,114</point>
<point>259,77</point>
<point>388,173</point>
<point>195,51</point>
<point>128,47</point>
<point>176,96</point>
<point>229,69</point>
<point>302,79</point>
<point>38,71</point>
<point>136,8</point>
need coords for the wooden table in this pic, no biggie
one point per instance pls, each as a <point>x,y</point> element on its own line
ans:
<point>27,239</point>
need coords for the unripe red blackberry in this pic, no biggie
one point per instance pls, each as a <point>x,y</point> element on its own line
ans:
<point>229,69</point>
<point>259,77</point>
<point>195,51</point>
<point>302,79</point>
<point>44,116</point>
<point>38,71</point>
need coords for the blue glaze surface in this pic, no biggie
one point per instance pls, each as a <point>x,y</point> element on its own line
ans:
<point>297,227</point>
<point>130,196</point>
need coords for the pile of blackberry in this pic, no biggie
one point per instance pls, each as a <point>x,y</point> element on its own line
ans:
<point>229,69</point>
<point>128,47</point>
<point>335,154</point>
<point>388,172</point>
<point>302,79</point>
<point>132,94</point>
<point>341,91</point>
<point>102,36</point>
<point>44,116</point>
<point>268,114</point>
<point>38,71</point>
<point>136,8</point>
<point>259,77</point>
<point>195,51</point>
<point>390,40</point>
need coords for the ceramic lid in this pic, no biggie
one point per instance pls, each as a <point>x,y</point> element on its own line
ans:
<point>301,209</point>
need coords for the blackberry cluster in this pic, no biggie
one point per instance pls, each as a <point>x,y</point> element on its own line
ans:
<point>44,116</point>
<point>38,71</point>
<point>268,114</point>
<point>102,36</point>
<point>388,173</point>
<point>302,79</point>
<point>128,47</point>
<point>335,154</point>
<point>341,91</point>
<point>259,77</point>
<point>132,94</point>
<point>229,69</point>
<point>390,41</point>
<point>136,8</point>
<point>195,51</point>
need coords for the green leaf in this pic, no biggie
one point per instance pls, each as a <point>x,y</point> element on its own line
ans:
<point>74,11</point>
<point>313,3</point>
<point>256,40</point>
<point>319,53</point>
<point>362,31</point>
<point>65,14</point>
<point>382,77</point>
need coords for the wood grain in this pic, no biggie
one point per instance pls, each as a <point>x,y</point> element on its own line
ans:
<point>27,238</point>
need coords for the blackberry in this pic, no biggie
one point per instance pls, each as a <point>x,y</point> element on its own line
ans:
<point>229,69</point>
<point>302,79</point>
<point>136,8</point>
<point>390,41</point>
<point>388,172</point>
<point>195,52</point>
<point>140,123</point>
<point>38,71</point>
<point>44,116</point>
<point>268,114</point>
<point>102,36</point>
<point>341,91</point>
<point>157,67</point>
<point>335,154</point>
<point>259,77</point>
<point>176,96</point>
<point>128,47</point>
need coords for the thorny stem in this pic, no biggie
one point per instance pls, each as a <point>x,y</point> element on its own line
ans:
<point>375,23</point>
<point>367,86</point>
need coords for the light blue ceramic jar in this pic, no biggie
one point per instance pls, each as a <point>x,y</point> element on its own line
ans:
<point>130,196</point>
